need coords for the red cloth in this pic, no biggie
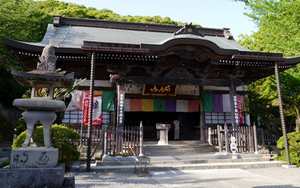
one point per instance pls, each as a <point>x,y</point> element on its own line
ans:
<point>97,120</point>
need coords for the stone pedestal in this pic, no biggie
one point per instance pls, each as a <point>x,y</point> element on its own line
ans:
<point>36,167</point>
<point>163,133</point>
<point>31,157</point>
<point>32,177</point>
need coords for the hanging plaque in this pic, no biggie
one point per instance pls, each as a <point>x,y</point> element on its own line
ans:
<point>160,89</point>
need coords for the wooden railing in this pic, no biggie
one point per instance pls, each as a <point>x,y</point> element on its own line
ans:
<point>96,135</point>
<point>125,141</point>
<point>220,135</point>
<point>266,138</point>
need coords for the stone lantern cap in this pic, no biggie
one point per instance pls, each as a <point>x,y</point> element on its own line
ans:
<point>44,79</point>
<point>40,104</point>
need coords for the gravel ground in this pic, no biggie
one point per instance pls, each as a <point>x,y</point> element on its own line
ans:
<point>239,178</point>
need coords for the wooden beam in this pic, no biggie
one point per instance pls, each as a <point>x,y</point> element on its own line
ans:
<point>152,80</point>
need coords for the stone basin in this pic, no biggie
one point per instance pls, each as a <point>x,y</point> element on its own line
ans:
<point>40,104</point>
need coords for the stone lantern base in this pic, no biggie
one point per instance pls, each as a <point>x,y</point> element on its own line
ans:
<point>34,157</point>
<point>35,167</point>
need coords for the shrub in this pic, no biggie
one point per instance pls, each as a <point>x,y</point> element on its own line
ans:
<point>4,164</point>
<point>20,126</point>
<point>294,147</point>
<point>61,137</point>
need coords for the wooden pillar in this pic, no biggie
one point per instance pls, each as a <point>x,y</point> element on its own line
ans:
<point>232,104</point>
<point>201,118</point>
<point>90,119</point>
<point>286,144</point>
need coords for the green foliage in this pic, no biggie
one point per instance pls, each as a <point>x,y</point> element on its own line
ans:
<point>4,164</point>
<point>27,20</point>
<point>20,126</point>
<point>62,138</point>
<point>294,147</point>
<point>19,140</point>
<point>54,8</point>
<point>278,24</point>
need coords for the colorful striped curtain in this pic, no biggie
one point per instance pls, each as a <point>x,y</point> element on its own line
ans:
<point>217,103</point>
<point>193,106</point>
<point>207,99</point>
<point>170,105</point>
<point>226,103</point>
<point>182,106</point>
<point>147,105</point>
<point>108,101</point>
<point>135,105</point>
<point>211,103</point>
<point>159,105</point>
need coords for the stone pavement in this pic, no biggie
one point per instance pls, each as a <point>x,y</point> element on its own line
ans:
<point>236,178</point>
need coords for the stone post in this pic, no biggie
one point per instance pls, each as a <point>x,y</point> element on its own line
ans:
<point>255,139</point>
<point>209,136</point>
<point>226,137</point>
<point>141,139</point>
<point>219,138</point>
<point>105,142</point>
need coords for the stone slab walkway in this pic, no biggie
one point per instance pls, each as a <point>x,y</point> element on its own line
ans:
<point>234,178</point>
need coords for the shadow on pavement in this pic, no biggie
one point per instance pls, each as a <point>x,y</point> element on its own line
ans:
<point>276,186</point>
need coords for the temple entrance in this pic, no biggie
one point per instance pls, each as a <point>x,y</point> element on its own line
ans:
<point>188,128</point>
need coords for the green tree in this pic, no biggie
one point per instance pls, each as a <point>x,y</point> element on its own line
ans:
<point>278,24</point>
<point>27,20</point>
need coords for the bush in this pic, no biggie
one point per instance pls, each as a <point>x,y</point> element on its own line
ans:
<point>294,147</point>
<point>4,164</point>
<point>20,126</point>
<point>61,137</point>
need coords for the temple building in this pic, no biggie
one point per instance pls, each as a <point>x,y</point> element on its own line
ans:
<point>189,76</point>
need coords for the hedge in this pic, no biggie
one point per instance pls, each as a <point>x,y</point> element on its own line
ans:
<point>294,147</point>
<point>61,137</point>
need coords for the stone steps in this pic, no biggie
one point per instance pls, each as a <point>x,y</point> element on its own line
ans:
<point>176,160</point>
<point>166,167</point>
<point>177,148</point>
<point>177,152</point>
<point>192,155</point>
<point>217,165</point>
<point>196,162</point>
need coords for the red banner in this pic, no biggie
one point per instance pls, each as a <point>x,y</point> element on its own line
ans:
<point>97,110</point>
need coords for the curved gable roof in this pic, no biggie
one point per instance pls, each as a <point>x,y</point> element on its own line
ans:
<point>74,36</point>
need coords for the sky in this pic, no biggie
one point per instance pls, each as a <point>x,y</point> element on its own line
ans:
<point>207,13</point>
